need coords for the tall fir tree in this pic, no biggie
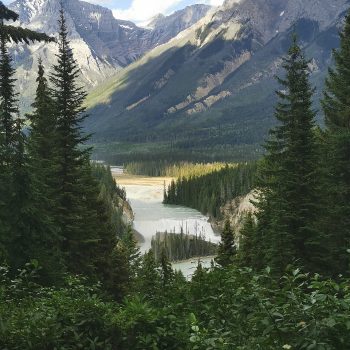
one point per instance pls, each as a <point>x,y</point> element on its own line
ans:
<point>167,272</point>
<point>288,187</point>
<point>11,139</point>
<point>126,260</point>
<point>41,172</point>
<point>227,247</point>
<point>8,112</point>
<point>82,230</point>
<point>148,281</point>
<point>336,106</point>
<point>247,254</point>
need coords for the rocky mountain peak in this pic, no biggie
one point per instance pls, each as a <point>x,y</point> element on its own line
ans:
<point>155,20</point>
<point>102,44</point>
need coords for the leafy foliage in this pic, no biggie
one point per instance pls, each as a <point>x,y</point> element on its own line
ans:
<point>220,309</point>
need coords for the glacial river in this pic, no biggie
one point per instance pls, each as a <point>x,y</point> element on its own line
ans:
<point>145,195</point>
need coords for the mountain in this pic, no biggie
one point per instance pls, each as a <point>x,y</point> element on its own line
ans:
<point>101,43</point>
<point>167,27</point>
<point>209,92</point>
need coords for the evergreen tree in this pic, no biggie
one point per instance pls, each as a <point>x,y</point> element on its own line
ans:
<point>247,252</point>
<point>227,248</point>
<point>12,143</point>
<point>288,200</point>
<point>77,191</point>
<point>125,263</point>
<point>43,130</point>
<point>148,277</point>
<point>16,33</point>
<point>42,169</point>
<point>8,113</point>
<point>336,106</point>
<point>167,272</point>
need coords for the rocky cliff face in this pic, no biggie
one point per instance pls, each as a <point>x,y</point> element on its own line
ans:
<point>164,28</point>
<point>101,43</point>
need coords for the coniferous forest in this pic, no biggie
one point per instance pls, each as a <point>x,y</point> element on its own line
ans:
<point>72,277</point>
<point>209,192</point>
<point>181,246</point>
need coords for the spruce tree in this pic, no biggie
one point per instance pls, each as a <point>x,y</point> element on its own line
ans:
<point>336,106</point>
<point>167,272</point>
<point>81,223</point>
<point>41,173</point>
<point>125,263</point>
<point>16,33</point>
<point>148,277</point>
<point>8,113</point>
<point>12,141</point>
<point>227,247</point>
<point>247,252</point>
<point>288,199</point>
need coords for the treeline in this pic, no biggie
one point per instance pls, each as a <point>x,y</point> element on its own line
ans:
<point>55,207</point>
<point>181,246</point>
<point>133,151</point>
<point>168,169</point>
<point>104,175</point>
<point>111,194</point>
<point>209,192</point>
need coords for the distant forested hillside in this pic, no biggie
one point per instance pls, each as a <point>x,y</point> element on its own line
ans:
<point>209,192</point>
<point>170,169</point>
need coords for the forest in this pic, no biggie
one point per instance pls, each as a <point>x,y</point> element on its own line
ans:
<point>181,246</point>
<point>208,192</point>
<point>72,276</point>
<point>171,169</point>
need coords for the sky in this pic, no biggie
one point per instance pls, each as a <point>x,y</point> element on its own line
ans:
<point>140,11</point>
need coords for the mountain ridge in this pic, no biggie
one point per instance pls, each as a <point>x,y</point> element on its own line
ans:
<point>212,87</point>
<point>101,43</point>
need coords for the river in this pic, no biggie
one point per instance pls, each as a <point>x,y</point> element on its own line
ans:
<point>145,195</point>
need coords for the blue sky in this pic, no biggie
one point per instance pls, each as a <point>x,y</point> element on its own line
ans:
<point>140,11</point>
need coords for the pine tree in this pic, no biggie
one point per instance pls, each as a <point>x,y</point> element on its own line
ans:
<point>16,33</point>
<point>336,106</point>
<point>43,127</point>
<point>12,141</point>
<point>76,190</point>
<point>148,277</point>
<point>227,248</point>
<point>125,263</point>
<point>247,254</point>
<point>42,171</point>
<point>8,113</point>
<point>167,272</point>
<point>288,182</point>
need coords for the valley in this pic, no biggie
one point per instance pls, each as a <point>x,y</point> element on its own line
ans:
<point>145,195</point>
<point>225,224</point>
<point>209,92</point>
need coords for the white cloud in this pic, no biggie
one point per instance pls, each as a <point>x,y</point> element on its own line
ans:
<point>142,10</point>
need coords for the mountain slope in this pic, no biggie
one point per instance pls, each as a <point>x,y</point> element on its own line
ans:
<point>164,28</point>
<point>211,89</point>
<point>101,43</point>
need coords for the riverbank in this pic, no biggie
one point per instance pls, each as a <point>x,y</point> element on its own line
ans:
<point>145,196</point>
